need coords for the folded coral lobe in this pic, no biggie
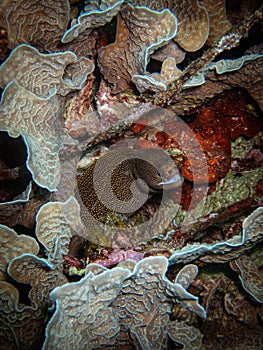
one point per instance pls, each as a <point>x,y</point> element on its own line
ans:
<point>137,37</point>
<point>39,23</point>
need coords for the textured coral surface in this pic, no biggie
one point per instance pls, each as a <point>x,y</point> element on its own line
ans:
<point>131,178</point>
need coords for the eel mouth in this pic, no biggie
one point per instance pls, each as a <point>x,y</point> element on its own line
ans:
<point>171,182</point>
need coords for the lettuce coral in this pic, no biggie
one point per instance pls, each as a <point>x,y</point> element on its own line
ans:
<point>136,39</point>
<point>40,24</point>
<point>57,222</point>
<point>40,79</point>
<point>118,307</point>
<point>40,130</point>
<point>43,74</point>
<point>12,246</point>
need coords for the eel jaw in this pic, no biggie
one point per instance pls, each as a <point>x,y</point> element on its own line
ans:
<point>175,180</point>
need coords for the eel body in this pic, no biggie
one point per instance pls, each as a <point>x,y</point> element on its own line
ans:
<point>123,179</point>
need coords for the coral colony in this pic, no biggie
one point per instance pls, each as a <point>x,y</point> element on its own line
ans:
<point>131,179</point>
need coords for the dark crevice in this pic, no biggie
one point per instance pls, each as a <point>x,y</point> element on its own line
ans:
<point>190,57</point>
<point>106,36</point>
<point>154,66</point>
<point>14,175</point>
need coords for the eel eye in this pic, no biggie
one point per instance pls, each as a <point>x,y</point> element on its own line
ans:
<point>158,174</point>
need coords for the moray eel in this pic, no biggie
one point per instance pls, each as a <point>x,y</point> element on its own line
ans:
<point>123,179</point>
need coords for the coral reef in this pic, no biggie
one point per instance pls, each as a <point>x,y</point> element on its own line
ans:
<point>131,179</point>
<point>110,313</point>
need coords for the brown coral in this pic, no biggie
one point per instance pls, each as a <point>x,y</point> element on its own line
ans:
<point>218,22</point>
<point>12,246</point>
<point>250,276</point>
<point>137,37</point>
<point>193,24</point>
<point>19,323</point>
<point>193,21</point>
<point>45,74</point>
<point>23,324</point>
<point>40,24</point>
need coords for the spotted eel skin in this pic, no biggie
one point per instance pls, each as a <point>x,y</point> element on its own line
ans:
<point>122,167</point>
